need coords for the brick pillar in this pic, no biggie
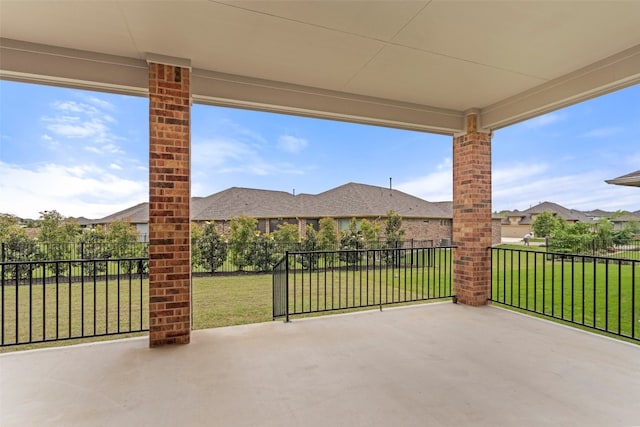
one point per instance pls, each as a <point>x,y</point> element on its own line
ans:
<point>169,199</point>
<point>472,214</point>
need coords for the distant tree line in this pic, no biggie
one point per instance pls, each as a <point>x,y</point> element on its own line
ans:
<point>60,238</point>
<point>582,237</point>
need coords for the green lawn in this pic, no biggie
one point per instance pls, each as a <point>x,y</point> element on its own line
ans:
<point>570,291</point>
<point>602,295</point>
<point>341,289</point>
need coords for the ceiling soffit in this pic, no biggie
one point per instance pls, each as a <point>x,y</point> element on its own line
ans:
<point>413,64</point>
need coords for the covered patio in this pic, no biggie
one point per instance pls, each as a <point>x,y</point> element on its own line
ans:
<point>437,364</point>
<point>462,69</point>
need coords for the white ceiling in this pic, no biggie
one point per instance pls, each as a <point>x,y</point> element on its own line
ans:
<point>411,64</point>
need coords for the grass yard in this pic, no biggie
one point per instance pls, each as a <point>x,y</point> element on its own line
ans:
<point>604,295</point>
<point>328,290</point>
<point>231,300</point>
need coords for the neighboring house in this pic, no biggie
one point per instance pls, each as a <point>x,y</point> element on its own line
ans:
<point>598,214</point>
<point>518,223</point>
<point>84,223</point>
<point>631,179</point>
<point>619,222</point>
<point>422,220</point>
<point>137,216</point>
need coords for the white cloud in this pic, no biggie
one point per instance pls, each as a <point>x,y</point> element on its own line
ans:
<point>240,132</point>
<point>83,121</point>
<point>604,132</point>
<point>544,120</point>
<point>515,173</point>
<point>522,185</point>
<point>229,156</point>
<point>521,189</point>
<point>73,191</point>
<point>436,186</point>
<point>291,144</point>
<point>115,166</point>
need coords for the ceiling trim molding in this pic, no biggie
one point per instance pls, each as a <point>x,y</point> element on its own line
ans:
<point>222,89</point>
<point>608,75</point>
<point>42,64</point>
<point>157,58</point>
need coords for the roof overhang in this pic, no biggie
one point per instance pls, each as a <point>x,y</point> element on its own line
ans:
<point>631,180</point>
<point>417,65</point>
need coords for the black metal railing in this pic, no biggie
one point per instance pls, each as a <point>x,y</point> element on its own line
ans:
<point>586,245</point>
<point>260,256</point>
<point>58,300</point>
<point>595,292</point>
<point>324,281</point>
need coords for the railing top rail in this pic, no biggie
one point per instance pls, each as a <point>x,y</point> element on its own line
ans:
<point>370,250</point>
<point>565,255</point>
<point>67,261</point>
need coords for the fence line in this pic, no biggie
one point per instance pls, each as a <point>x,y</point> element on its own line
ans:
<point>600,293</point>
<point>324,281</point>
<point>83,298</point>
<point>581,245</point>
<point>263,255</point>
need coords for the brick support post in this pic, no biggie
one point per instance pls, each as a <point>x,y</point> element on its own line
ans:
<point>472,214</point>
<point>169,199</point>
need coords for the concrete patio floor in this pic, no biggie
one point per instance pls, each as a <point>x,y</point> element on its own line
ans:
<point>429,365</point>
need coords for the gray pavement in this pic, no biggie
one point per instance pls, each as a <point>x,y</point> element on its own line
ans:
<point>429,365</point>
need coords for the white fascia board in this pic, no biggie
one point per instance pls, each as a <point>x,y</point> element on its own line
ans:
<point>50,65</point>
<point>213,88</point>
<point>608,75</point>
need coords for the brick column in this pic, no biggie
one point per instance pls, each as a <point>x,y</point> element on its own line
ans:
<point>169,199</point>
<point>472,214</point>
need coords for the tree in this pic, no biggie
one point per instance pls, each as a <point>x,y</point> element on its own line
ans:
<point>286,235</point>
<point>393,229</point>
<point>351,240</point>
<point>370,233</point>
<point>94,247</point>
<point>211,247</point>
<point>241,238</point>
<point>9,225</point>
<point>544,224</point>
<point>16,246</point>
<point>19,247</point>
<point>263,255</point>
<point>310,243</point>
<point>327,236</point>
<point>122,238</point>
<point>196,235</point>
<point>604,233</point>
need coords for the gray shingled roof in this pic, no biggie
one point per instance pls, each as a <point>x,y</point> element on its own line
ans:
<point>237,201</point>
<point>348,200</point>
<point>361,200</point>
<point>598,213</point>
<point>561,211</point>
<point>138,214</point>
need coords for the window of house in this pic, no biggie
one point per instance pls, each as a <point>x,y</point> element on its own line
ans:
<point>274,223</point>
<point>314,223</point>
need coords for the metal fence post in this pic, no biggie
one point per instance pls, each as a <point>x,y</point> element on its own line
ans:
<point>286,286</point>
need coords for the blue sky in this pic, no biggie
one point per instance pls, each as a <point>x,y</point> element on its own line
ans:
<point>85,154</point>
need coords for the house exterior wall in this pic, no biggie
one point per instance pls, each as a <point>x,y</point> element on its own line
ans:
<point>515,230</point>
<point>434,229</point>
